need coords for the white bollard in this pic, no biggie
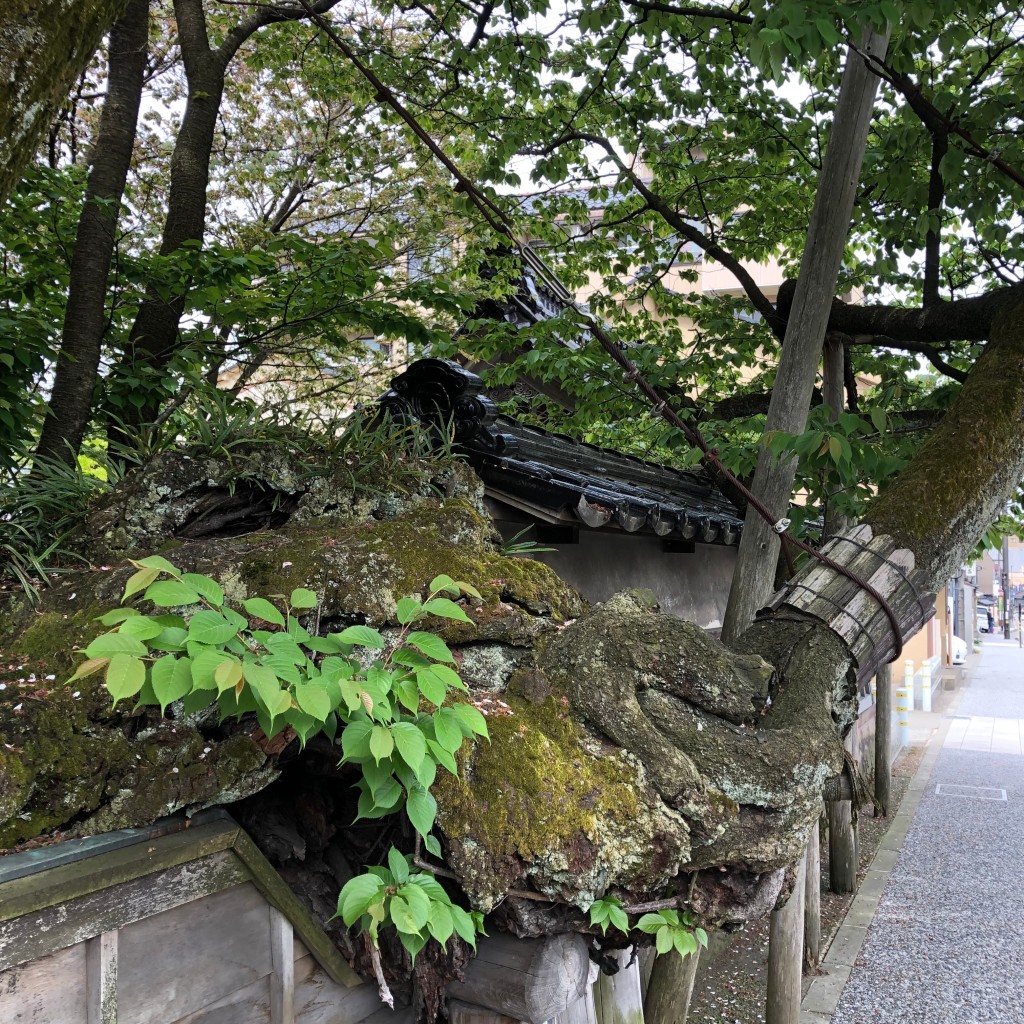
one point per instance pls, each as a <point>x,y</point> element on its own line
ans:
<point>926,686</point>
<point>904,697</point>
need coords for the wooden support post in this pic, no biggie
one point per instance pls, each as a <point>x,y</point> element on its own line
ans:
<point>531,980</point>
<point>468,1013</point>
<point>805,331</point>
<point>647,957</point>
<point>101,979</point>
<point>785,955</point>
<point>671,988</point>
<point>617,998</point>
<point>282,980</point>
<point>583,1011</point>
<point>812,899</point>
<point>883,740</point>
<point>842,847</point>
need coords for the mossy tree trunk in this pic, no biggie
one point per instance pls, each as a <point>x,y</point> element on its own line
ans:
<point>632,754</point>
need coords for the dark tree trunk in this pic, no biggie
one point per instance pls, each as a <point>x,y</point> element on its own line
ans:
<point>44,46</point>
<point>154,336</point>
<point>85,314</point>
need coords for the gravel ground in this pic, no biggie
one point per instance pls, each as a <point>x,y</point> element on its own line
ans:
<point>731,986</point>
<point>947,943</point>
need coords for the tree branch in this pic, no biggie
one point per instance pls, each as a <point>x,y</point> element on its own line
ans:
<point>931,116</point>
<point>714,13</point>
<point>967,319</point>
<point>672,217</point>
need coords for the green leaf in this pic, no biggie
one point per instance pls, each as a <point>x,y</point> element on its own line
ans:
<point>357,894</point>
<point>432,646</point>
<point>443,757</point>
<point>419,903</point>
<point>381,742</point>
<point>364,636</point>
<point>446,609</point>
<point>410,743</point>
<point>402,916</point>
<point>210,628</point>
<point>355,740</point>
<point>171,593</point>
<point>142,627</point>
<point>87,668</point>
<point>171,679</point>
<point>464,925</point>
<point>139,581</point>
<point>445,583</point>
<point>663,940</point>
<point>399,865</point>
<point>408,694</point>
<point>302,598</point>
<point>261,608</point>
<point>434,847</point>
<point>205,587</point>
<point>468,590</point>
<point>157,562</point>
<point>323,645</point>
<point>432,684</point>
<point>171,638</point>
<point>314,700</point>
<point>204,668</point>
<point>440,923</point>
<point>413,943</point>
<point>264,682</point>
<point>228,674</point>
<point>407,609</point>
<point>422,809</point>
<point>684,942</point>
<point>447,729</point>
<point>471,719</point>
<point>650,923</point>
<point>284,646</point>
<point>109,644</point>
<point>125,676</point>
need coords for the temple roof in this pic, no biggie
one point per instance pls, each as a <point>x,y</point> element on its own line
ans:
<point>554,477</point>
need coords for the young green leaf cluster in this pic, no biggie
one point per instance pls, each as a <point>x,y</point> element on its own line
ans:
<point>671,929</point>
<point>416,904</point>
<point>394,718</point>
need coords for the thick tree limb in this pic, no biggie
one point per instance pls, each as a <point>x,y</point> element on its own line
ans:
<point>968,319</point>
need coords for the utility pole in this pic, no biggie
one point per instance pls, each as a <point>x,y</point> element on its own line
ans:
<point>1006,588</point>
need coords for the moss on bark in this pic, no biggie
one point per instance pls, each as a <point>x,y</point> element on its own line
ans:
<point>959,481</point>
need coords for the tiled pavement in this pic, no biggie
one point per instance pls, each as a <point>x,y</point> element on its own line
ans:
<point>936,932</point>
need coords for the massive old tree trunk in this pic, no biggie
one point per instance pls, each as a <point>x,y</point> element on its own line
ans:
<point>630,753</point>
<point>44,46</point>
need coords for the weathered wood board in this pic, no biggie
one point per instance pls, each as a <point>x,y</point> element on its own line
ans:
<point>47,990</point>
<point>182,927</point>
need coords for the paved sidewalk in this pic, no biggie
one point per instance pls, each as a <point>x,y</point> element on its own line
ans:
<point>945,944</point>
